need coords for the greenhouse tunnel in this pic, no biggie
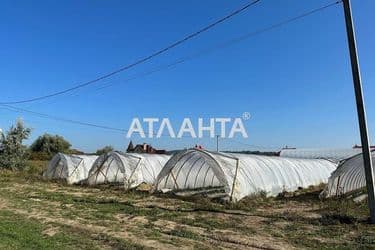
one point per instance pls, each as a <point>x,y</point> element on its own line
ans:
<point>348,178</point>
<point>235,176</point>
<point>71,168</point>
<point>128,169</point>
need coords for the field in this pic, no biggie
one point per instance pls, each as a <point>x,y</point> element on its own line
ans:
<point>37,214</point>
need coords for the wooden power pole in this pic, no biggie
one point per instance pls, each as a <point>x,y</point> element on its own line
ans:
<point>360,109</point>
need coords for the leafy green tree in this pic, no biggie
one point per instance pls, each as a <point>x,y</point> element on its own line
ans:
<point>13,154</point>
<point>45,146</point>
<point>104,150</point>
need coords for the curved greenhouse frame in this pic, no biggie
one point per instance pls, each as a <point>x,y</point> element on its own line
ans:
<point>348,178</point>
<point>129,169</point>
<point>72,168</point>
<point>240,175</point>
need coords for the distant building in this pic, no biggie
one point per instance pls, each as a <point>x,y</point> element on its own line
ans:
<point>143,148</point>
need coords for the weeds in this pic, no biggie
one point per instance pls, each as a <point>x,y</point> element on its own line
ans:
<point>181,232</point>
<point>298,219</point>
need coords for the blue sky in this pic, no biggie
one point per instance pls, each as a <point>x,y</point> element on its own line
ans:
<point>295,80</point>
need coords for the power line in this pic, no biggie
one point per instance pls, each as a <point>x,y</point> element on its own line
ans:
<point>42,115</point>
<point>223,45</point>
<point>142,60</point>
<point>47,116</point>
<point>16,109</point>
<point>179,61</point>
<point>219,46</point>
<point>61,119</point>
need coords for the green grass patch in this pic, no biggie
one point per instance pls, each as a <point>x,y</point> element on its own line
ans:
<point>184,233</point>
<point>18,232</point>
<point>299,218</point>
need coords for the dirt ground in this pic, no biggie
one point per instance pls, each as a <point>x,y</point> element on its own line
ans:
<point>37,214</point>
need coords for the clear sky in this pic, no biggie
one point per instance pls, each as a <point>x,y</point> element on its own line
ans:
<point>295,80</point>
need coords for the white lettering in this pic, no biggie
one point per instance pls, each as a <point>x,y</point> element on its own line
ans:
<point>238,128</point>
<point>165,128</point>
<point>222,122</point>
<point>186,127</point>
<point>166,123</point>
<point>210,128</point>
<point>150,122</point>
<point>135,127</point>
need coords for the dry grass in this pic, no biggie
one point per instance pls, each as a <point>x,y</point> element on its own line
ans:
<point>54,215</point>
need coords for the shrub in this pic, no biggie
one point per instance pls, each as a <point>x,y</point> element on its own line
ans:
<point>39,156</point>
<point>104,150</point>
<point>76,151</point>
<point>45,146</point>
<point>13,154</point>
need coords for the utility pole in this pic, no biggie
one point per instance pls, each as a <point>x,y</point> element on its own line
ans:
<point>360,109</point>
<point>217,143</point>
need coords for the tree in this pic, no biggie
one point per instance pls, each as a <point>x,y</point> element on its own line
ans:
<point>47,145</point>
<point>13,154</point>
<point>104,150</point>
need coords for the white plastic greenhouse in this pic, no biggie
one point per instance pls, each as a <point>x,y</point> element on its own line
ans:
<point>240,175</point>
<point>347,178</point>
<point>335,155</point>
<point>71,168</point>
<point>129,169</point>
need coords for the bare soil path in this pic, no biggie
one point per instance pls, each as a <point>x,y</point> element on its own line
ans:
<point>109,218</point>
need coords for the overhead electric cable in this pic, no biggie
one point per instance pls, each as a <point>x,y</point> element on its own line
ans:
<point>217,47</point>
<point>222,45</point>
<point>17,109</point>
<point>61,119</point>
<point>179,61</point>
<point>142,60</point>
